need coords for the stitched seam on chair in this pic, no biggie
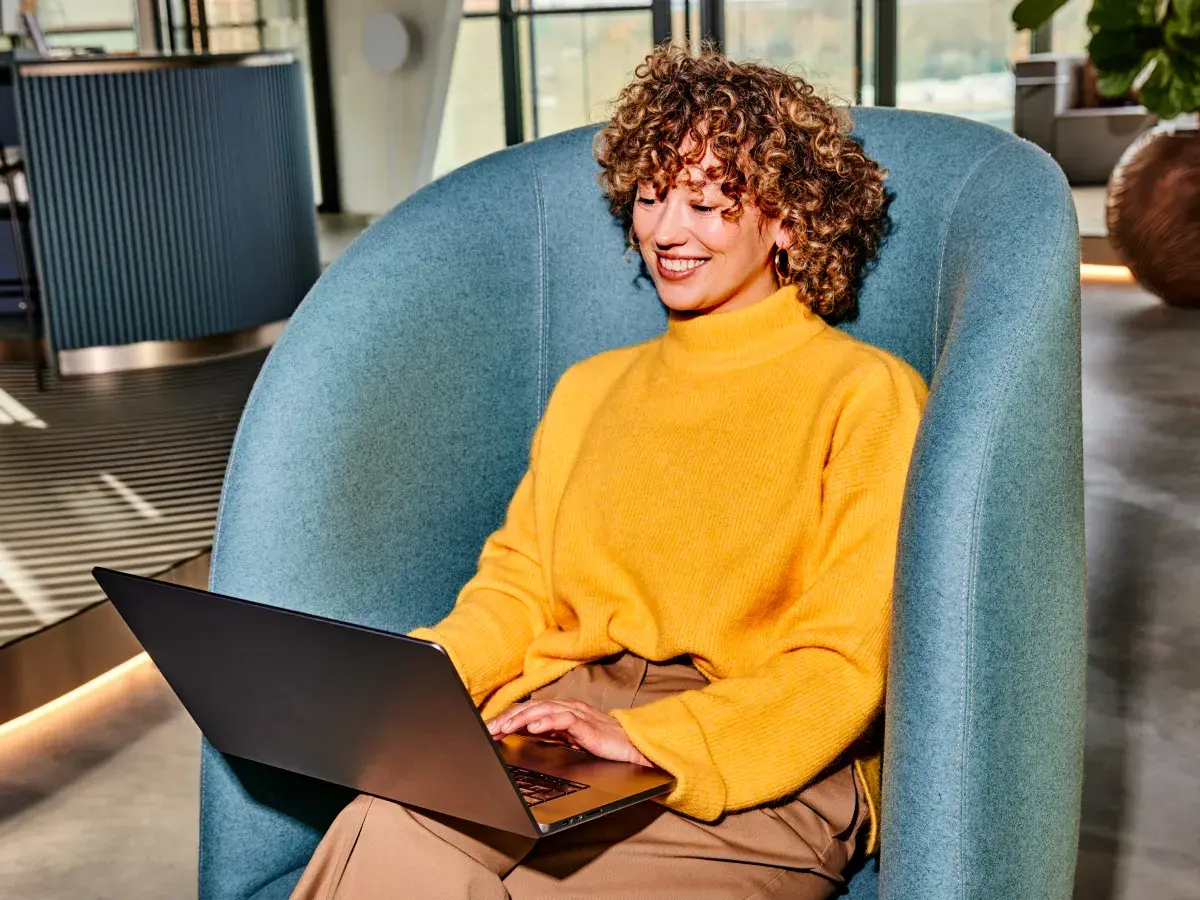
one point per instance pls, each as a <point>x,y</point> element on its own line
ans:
<point>201,843</point>
<point>937,300</point>
<point>255,390</point>
<point>543,308</point>
<point>971,572</point>
<point>233,451</point>
<point>251,401</point>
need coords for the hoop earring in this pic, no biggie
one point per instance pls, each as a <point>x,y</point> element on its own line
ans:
<point>783,266</point>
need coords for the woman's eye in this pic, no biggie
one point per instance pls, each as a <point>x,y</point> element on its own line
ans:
<point>703,209</point>
<point>646,201</point>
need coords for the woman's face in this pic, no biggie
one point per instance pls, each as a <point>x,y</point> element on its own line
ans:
<point>699,261</point>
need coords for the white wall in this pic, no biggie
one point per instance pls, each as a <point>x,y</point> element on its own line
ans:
<point>388,124</point>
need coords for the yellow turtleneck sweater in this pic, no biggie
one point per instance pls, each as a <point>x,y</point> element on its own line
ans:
<point>730,492</point>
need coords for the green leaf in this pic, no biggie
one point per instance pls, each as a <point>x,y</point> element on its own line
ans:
<point>1182,36</point>
<point>1186,14</point>
<point>1122,14</point>
<point>1184,87</point>
<point>1121,50</point>
<point>1129,35</point>
<point>1184,62</point>
<point>1030,14</point>
<point>1116,84</point>
<point>1180,65</point>
<point>1160,93</point>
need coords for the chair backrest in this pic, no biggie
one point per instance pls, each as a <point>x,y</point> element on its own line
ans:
<point>391,423</point>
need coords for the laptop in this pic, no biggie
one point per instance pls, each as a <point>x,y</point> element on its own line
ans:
<point>379,712</point>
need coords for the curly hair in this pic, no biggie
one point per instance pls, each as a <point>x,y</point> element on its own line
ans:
<point>778,145</point>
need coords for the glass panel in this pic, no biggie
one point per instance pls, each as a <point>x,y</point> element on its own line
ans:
<point>1069,32</point>
<point>285,27</point>
<point>679,34</point>
<point>536,5</point>
<point>174,23</point>
<point>868,33</point>
<point>105,24</point>
<point>233,39</point>
<point>65,14</point>
<point>524,42</point>
<point>685,23</point>
<point>955,56</point>
<point>815,37</point>
<point>579,65</point>
<point>231,12</point>
<point>473,119</point>
<point>120,41</point>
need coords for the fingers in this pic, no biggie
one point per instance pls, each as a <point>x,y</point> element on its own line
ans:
<point>520,715</point>
<point>581,725</point>
<point>565,720</point>
<point>566,724</point>
<point>493,724</point>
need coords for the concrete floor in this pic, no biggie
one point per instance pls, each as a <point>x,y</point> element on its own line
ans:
<point>110,811</point>
<point>102,802</point>
<point>1141,811</point>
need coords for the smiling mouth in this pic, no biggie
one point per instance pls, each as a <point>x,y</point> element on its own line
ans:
<point>678,268</point>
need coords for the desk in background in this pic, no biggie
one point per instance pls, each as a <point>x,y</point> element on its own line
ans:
<point>172,202</point>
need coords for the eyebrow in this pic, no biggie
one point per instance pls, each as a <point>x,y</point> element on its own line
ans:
<point>696,186</point>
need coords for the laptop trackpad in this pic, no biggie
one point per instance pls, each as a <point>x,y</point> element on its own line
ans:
<point>609,783</point>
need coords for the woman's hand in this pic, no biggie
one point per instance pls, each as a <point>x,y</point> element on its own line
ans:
<point>574,721</point>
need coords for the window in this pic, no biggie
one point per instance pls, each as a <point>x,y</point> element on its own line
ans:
<point>956,57</point>
<point>575,65</point>
<point>574,56</point>
<point>102,24</point>
<point>1068,29</point>
<point>816,38</point>
<point>473,120</point>
<point>573,59</point>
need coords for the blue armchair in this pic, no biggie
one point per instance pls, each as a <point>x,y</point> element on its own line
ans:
<point>391,423</point>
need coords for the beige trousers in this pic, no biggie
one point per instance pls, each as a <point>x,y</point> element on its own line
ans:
<point>796,849</point>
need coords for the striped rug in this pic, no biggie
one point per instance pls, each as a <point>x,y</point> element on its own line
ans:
<point>119,470</point>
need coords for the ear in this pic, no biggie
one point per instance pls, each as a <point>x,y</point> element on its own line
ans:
<point>779,234</point>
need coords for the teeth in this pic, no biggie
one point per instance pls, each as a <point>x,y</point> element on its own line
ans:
<point>680,265</point>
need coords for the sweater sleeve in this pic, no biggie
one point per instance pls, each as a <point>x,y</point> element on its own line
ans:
<point>751,739</point>
<point>504,606</point>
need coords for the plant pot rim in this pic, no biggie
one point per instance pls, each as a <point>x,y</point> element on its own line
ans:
<point>1183,124</point>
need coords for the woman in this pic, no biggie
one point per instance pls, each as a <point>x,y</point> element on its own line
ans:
<point>695,572</point>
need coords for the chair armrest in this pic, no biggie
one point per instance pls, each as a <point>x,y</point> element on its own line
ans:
<point>985,700</point>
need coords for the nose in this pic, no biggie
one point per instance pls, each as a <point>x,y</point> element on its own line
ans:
<point>671,228</point>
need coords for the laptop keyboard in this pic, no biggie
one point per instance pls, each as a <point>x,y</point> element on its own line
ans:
<point>538,787</point>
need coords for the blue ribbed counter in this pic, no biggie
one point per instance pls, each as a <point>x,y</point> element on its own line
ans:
<point>172,197</point>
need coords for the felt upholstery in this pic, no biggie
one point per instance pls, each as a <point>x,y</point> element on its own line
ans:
<point>391,423</point>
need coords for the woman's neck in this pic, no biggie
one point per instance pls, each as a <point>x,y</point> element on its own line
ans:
<point>761,286</point>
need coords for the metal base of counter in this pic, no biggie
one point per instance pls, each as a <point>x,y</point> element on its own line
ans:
<point>153,354</point>
<point>41,667</point>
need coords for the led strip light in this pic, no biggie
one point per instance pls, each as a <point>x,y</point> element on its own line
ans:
<point>1111,274</point>
<point>72,696</point>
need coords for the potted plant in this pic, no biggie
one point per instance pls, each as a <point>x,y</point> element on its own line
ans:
<point>1151,47</point>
